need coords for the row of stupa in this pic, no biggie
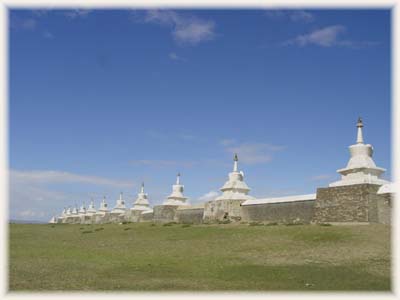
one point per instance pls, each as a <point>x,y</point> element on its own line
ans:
<point>120,212</point>
<point>361,169</point>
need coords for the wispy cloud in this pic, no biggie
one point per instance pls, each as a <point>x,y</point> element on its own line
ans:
<point>301,16</point>
<point>251,153</point>
<point>187,137</point>
<point>28,214</point>
<point>185,29</point>
<point>175,57</point>
<point>41,194</point>
<point>325,37</point>
<point>211,195</point>
<point>69,13</point>
<point>163,136</point>
<point>45,177</point>
<point>272,193</point>
<point>41,12</point>
<point>48,35</point>
<point>328,37</point>
<point>28,24</point>
<point>164,163</point>
<point>77,13</point>
<point>30,201</point>
<point>292,15</point>
<point>322,177</point>
<point>227,142</point>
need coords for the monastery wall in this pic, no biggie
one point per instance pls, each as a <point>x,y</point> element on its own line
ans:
<point>133,215</point>
<point>283,212</point>
<point>190,215</point>
<point>352,203</point>
<point>147,217</point>
<point>221,210</point>
<point>164,213</point>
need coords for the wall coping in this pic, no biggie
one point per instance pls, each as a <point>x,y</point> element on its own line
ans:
<point>281,199</point>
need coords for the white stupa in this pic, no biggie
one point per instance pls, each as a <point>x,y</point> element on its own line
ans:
<point>361,168</point>
<point>103,207</point>
<point>235,188</point>
<point>91,210</point>
<point>62,216</point>
<point>53,220</point>
<point>69,212</point>
<point>176,197</point>
<point>141,203</point>
<point>74,218</point>
<point>82,210</point>
<point>120,207</point>
<point>74,211</point>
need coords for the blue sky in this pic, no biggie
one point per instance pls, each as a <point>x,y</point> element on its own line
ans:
<point>101,100</point>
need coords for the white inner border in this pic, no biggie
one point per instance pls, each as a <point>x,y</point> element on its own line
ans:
<point>215,4</point>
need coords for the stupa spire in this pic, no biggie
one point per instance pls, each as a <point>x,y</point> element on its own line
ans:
<point>235,163</point>
<point>360,125</point>
<point>178,177</point>
<point>142,188</point>
<point>361,168</point>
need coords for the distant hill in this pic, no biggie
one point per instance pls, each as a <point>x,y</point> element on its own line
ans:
<point>27,222</point>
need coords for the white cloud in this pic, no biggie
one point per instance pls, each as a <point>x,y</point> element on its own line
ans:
<point>301,16</point>
<point>30,214</point>
<point>28,24</point>
<point>292,15</point>
<point>164,163</point>
<point>175,57</point>
<point>48,35</point>
<point>45,177</point>
<point>253,153</point>
<point>77,13</point>
<point>187,137</point>
<point>275,14</point>
<point>194,31</point>
<point>227,142</point>
<point>208,196</point>
<point>28,201</point>
<point>324,37</point>
<point>184,29</point>
<point>40,12</point>
<point>40,194</point>
<point>167,136</point>
<point>328,37</point>
<point>274,193</point>
<point>321,177</point>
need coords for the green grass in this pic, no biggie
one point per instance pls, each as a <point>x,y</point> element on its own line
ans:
<point>147,257</point>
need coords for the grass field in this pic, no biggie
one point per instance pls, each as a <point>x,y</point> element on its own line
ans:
<point>149,257</point>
